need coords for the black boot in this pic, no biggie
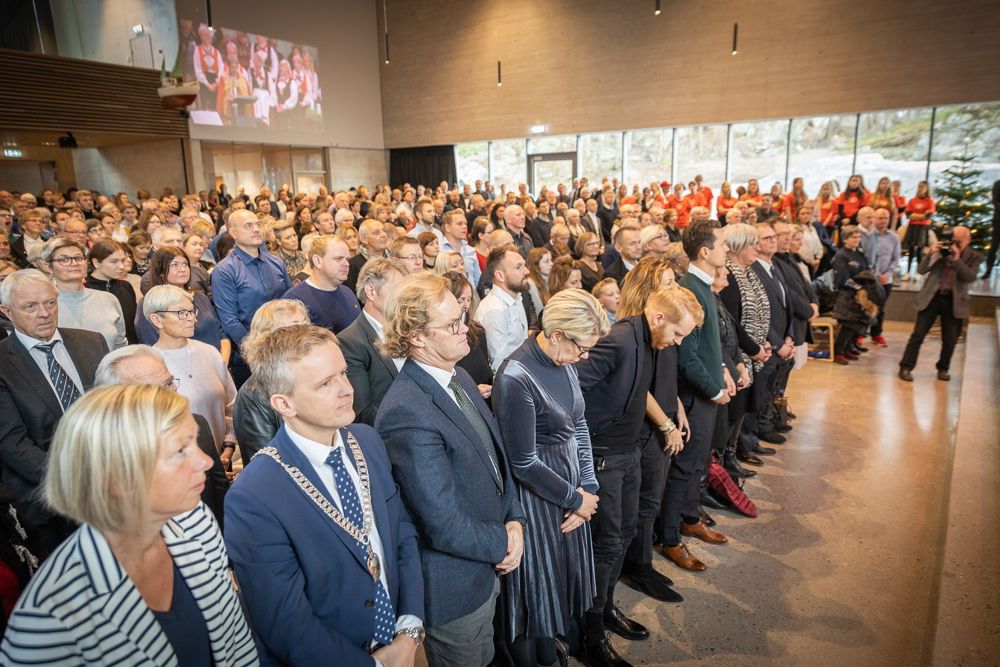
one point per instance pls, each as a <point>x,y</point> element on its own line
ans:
<point>708,500</point>
<point>733,467</point>
<point>601,653</point>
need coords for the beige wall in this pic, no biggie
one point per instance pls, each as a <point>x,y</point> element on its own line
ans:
<point>593,65</point>
<point>351,167</point>
<point>152,165</point>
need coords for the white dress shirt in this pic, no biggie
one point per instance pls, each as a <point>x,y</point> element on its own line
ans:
<point>317,453</point>
<point>505,322</point>
<point>42,360</point>
<point>442,377</point>
<point>769,267</point>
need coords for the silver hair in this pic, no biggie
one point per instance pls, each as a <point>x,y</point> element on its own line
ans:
<point>740,236</point>
<point>19,278</point>
<point>107,370</point>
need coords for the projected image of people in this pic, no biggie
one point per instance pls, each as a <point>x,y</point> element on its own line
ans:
<point>249,80</point>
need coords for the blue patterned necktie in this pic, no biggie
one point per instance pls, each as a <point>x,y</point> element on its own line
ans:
<point>350,505</point>
<point>66,390</point>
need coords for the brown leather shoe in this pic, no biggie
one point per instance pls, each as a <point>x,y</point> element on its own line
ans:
<point>703,533</point>
<point>683,559</point>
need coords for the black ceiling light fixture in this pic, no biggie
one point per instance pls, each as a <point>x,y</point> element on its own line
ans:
<point>385,31</point>
<point>68,141</point>
<point>736,34</point>
<point>499,75</point>
<point>656,9</point>
<point>208,13</point>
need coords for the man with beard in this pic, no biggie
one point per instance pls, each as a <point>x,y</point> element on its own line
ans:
<point>501,313</point>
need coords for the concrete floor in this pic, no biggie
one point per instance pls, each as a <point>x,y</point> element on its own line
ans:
<point>843,564</point>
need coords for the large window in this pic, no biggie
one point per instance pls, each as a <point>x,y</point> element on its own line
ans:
<point>759,150</point>
<point>563,144</point>
<point>648,156</point>
<point>972,128</point>
<point>509,164</point>
<point>600,156</point>
<point>701,150</point>
<point>893,144</point>
<point>472,161</point>
<point>822,149</point>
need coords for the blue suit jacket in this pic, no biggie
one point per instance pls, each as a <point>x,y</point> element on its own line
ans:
<point>450,488</point>
<point>309,594</point>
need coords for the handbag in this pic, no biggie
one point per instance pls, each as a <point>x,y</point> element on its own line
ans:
<point>726,490</point>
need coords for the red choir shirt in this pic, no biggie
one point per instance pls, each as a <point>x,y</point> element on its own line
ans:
<point>683,212</point>
<point>724,204</point>
<point>881,201</point>
<point>852,202</point>
<point>753,200</point>
<point>778,205</point>
<point>694,199</point>
<point>706,193</point>
<point>900,201</point>
<point>921,205</point>
<point>828,212</point>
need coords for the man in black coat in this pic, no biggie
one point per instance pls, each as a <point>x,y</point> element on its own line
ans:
<point>371,373</point>
<point>374,243</point>
<point>615,380</point>
<point>43,370</point>
<point>140,364</point>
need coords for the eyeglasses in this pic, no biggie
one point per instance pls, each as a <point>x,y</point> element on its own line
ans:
<point>182,314</point>
<point>454,326</point>
<point>171,383</point>
<point>580,349</point>
<point>66,260</point>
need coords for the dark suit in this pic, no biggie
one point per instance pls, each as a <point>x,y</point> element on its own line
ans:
<point>779,299</point>
<point>800,296</point>
<point>355,265</point>
<point>449,485</point>
<point>371,374</point>
<point>18,253</point>
<point>216,482</point>
<point>616,270</point>
<point>308,592</point>
<point>539,230</point>
<point>30,411</point>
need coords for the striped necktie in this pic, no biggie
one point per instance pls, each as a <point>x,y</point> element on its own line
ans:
<point>66,390</point>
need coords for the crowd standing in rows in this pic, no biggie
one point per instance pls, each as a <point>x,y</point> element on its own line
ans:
<point>465,410</point>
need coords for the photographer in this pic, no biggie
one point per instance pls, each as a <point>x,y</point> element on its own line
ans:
<point>949,269</point>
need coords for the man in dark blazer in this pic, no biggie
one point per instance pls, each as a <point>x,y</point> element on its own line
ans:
<point>944,294</point>
<point>140,364</point>
<point>703,384</point>
<point>449,460</point>
<point>37,385</point>
<point>374,243</point>
<point>371,373</point>
<point>628,248</point>
<point>323,548</point>
<point>615,380</point>
<point>760,424</point>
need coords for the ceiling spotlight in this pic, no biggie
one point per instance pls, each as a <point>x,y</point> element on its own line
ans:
<point>537,129</point>
<point>656,11</point>
<point>138,29</point>
<point>736,33</point>
<point>499,75</point>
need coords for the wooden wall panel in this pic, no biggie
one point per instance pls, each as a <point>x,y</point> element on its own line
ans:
<point>52,93</point>
<point>599,65</point>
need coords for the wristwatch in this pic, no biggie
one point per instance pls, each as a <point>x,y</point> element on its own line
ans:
<point>416,634</point>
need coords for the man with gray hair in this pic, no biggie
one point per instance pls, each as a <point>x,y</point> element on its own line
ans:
<point>140,364</point>
<point>43,370</point>
<point>514,219</point>
<point>734,216</point>
<point>374,243</point>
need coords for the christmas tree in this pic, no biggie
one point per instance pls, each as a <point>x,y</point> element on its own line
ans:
<point>962,200</point>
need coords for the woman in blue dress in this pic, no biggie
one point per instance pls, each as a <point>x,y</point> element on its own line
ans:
<point>540,409</point>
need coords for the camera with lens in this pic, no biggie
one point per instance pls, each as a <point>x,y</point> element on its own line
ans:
<point>947,240</point>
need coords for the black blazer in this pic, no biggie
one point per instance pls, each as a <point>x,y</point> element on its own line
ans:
<point>616,270</point>
<point>539,230</point>
<point>18,254</point>
<point>780,320</point>
<point>216,482</point>
<point>355,265</point>
<point>30,411</point>
<point>610,377</point>
<point>370,372</point>
<point>800,297</point>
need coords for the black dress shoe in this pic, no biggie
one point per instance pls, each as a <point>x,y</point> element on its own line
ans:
<point>705,519</point>
<point>860,348</point>
<point>655,585</point>
<point>735,470</point>
<point>763,451</point>
<point>782,428</point>
<point>708,500</point>
<point>906,374</point>
<point>750,459</point>
<point>944,376</point>
<point>623,626</point>
<point>602,654</point>
<point>773,437</point>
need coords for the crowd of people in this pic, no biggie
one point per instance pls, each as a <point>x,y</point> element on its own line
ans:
<point>408,416</point>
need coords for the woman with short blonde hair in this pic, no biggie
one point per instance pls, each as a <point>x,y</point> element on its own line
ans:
<point>125,463</point>
<point>540,410</point>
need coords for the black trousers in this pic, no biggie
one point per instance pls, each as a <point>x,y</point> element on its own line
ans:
<point>653,465</point>
<point>991,256</point>
<point>614,524</point>
<point>942,305</point>
<point>848,332</point>
<point>760,420</point>
<point>683,493</point>
<point>880,320</point>
<point>781,376</point>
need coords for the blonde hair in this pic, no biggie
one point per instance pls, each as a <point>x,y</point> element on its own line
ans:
<point>104,454</point>
<point>319,246</point>
<point>575,313</point>
<point>407,311</point>
<point>276,353</point>
<point>640,283</point>
<point>267,319</point>
<point>675,303</point>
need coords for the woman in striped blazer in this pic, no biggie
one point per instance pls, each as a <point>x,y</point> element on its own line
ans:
<point>145,579</point>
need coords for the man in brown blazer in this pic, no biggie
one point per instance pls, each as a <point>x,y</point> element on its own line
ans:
<point>949,270</point>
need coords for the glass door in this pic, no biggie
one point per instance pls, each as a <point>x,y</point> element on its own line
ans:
<point>551,169</point>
